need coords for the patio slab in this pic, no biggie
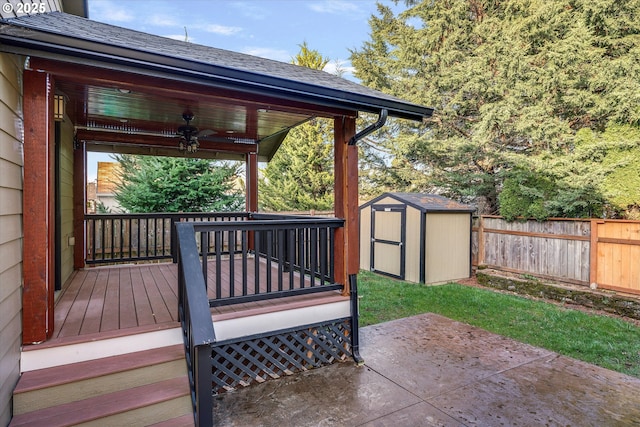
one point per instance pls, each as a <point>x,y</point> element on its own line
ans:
<point>428,370</point>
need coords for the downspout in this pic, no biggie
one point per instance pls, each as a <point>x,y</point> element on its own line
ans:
<point>382,119</point>
<point>353,278</point>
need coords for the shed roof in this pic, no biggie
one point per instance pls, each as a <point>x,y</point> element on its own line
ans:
<point>424,202</point>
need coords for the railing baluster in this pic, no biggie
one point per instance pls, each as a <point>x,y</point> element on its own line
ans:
<point>244,249</point>
<point>301,257</point>
<point>269,246</point>
<point>291,251</point>
<point>280,243</point>
<point>218,249</point>
<point>256,261</point>
<point>313,246</point>
<point>232,278</point>
<point>204,248</point>
<point>323,255</point>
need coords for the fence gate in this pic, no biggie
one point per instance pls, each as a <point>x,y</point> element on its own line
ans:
<point>388,239</point>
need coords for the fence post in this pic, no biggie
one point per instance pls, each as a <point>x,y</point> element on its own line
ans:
<point>480,260</point>
<point>593,251</point>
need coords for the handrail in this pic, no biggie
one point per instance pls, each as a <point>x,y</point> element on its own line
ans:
<point>197,326</point>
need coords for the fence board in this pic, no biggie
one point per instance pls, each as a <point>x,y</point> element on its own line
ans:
<point>562,249</point>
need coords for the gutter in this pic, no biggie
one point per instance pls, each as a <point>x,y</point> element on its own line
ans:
<point>382,119</point>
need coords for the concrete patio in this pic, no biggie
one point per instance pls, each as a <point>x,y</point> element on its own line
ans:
<point>428,370</point>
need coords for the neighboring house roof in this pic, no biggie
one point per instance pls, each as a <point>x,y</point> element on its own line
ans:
<point>424,202</point>
<point>61,34</point>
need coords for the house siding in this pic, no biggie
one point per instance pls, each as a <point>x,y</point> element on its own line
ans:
<point>11,162</point>
<point>66,198</point>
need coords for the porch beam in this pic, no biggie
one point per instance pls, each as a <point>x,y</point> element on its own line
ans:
<point>347,250</point>
<point>162,141</point>
<point>174,88</point>
<point>38,208</point>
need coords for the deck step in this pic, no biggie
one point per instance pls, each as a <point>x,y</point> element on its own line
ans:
<point>144,405</point>
<point>140,388</point>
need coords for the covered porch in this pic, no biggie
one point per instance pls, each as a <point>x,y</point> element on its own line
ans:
<point>89,86</point>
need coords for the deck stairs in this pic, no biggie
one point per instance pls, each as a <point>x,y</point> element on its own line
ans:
<point>143,388</point>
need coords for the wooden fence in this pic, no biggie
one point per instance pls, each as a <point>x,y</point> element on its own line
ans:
<point>581,251</point>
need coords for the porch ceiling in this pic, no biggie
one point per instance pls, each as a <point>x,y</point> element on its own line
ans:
<point>143,119</point>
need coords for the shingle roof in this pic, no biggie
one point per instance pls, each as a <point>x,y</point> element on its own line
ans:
<point>425,202</point>
<point>71,29</point>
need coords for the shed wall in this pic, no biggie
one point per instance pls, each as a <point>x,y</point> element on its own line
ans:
<point>11,162</point>
<point>365,238</point>
<point>413,238</point>
<point>448,247</point>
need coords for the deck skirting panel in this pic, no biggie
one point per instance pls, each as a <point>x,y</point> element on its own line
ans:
<point>255,359</point>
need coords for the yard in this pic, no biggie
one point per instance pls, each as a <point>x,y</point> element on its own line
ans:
<point>602,340</point>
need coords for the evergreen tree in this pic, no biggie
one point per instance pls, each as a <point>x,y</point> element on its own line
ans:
<point>176,184</point>
<point>300,174</point>
<point>512,83</point>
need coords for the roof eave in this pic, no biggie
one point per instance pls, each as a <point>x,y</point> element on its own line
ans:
<point>66,48</point>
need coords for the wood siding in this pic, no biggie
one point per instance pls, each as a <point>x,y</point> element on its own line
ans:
<point>66,198</point>
<point>11,162</point>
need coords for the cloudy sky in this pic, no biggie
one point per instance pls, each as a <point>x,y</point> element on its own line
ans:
<point>268,28</point>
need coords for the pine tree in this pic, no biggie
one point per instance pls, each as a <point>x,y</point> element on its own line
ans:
<point>512,83</point>
<point>300,175</point>
<point>176,184</point>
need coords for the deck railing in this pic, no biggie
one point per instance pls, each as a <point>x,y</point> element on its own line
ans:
<point>117,238</point>
<point>284,256</point>
<point>269,256</point>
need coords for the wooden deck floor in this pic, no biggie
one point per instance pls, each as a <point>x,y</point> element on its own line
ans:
<point>116,298</point>
<point>105,299</point>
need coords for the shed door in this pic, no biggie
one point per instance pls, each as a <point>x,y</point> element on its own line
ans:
<point>388,225</point>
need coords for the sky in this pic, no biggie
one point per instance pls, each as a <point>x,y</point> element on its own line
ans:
<point>272,29</point>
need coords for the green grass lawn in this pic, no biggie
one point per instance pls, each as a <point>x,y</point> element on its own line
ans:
<point>601,340</point>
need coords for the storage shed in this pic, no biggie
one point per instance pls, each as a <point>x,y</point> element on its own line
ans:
<point>421,238</point>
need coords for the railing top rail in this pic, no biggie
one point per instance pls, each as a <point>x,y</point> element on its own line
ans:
<point>168,215</point>
<point>270,224</point>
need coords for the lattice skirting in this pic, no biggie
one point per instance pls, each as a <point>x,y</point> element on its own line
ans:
<point>246,360</point>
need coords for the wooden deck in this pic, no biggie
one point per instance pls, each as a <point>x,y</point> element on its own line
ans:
<point>114,299</point>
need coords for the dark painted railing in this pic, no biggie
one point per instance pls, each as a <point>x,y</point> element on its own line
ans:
<point>269,256</point>
<point>197,327</point>
<point>282,256</point>
<point>117,238</point>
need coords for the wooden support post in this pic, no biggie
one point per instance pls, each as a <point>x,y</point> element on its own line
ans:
<point>38,208</point>
<point>347,244</point>
<point>79,203</point>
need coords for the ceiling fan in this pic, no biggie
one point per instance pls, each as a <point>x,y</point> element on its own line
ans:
<point>189,134</point>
